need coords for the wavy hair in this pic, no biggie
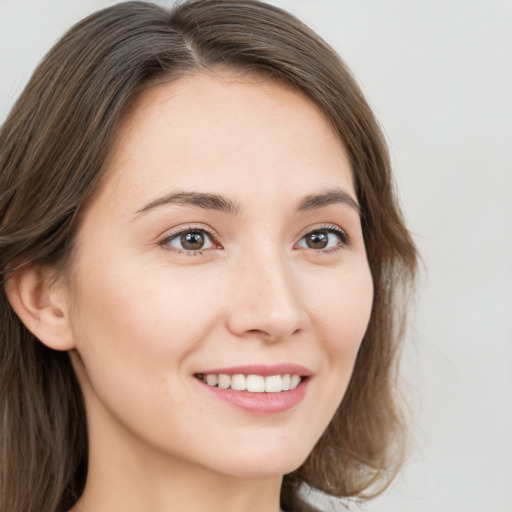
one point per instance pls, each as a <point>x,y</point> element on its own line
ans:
<point>54,147</point>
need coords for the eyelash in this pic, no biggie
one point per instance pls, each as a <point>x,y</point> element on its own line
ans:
<point>165,243</point>
<point>330,228</point>
<point>343,237</point>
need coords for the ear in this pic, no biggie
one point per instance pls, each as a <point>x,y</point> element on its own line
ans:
<point>41,305</point>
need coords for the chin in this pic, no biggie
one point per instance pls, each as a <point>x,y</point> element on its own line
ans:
<point>262,462</point>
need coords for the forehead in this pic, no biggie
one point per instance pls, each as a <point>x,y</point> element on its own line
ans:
<point>223,132</point>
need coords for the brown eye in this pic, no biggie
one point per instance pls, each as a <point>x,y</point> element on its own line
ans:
<point>323,239</point>
<point>317,239</point>
<point>191,240</point>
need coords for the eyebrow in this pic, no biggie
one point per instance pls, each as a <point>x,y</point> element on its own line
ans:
<point>199,199</point>
<point>223,204</point>
<point>332,196</point>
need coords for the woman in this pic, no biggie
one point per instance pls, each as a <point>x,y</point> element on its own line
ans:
<point>202,259</point>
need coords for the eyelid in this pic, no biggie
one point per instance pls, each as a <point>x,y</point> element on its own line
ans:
<point>331,228</point>
<point>179,230</point>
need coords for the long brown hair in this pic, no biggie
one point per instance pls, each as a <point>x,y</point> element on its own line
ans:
<point>53,149</point>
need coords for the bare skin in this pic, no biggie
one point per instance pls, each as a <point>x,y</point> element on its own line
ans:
<point>272,278</point>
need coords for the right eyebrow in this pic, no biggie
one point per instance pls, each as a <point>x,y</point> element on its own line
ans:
<point>199,199</point>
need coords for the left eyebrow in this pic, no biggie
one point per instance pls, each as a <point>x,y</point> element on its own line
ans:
<point>333,196</point>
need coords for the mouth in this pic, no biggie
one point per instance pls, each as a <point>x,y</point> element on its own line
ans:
<point>251,383</point>
<point>258,389</point>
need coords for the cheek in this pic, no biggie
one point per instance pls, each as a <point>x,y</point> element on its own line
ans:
<point>135,307</point>
<point>342,313</point>
<point>341,308</point>
<point>136,326</point>
<point>135,331</point>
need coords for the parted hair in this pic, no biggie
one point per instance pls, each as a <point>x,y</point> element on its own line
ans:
<point>54,147</point>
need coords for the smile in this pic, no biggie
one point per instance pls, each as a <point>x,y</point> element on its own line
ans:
<point>252,383</point>
<point>258,389</point>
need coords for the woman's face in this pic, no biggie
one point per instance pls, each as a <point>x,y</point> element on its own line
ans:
<point>225,240</point>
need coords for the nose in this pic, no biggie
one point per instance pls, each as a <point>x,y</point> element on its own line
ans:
<point>265,300</point>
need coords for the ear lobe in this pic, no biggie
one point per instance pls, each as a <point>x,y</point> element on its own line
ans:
<point>41,306</point>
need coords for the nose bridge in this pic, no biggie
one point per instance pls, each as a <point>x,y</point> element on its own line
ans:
<point>266,299</point>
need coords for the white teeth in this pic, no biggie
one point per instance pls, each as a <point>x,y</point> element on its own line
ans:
<point>238,382</point>
<point>273,384</point>
<point>224,381</point>
<point>212,380</point>
<point>253,383</point>
<point>294,381</point>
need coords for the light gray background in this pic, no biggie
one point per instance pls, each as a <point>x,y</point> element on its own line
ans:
<point>439,75</point>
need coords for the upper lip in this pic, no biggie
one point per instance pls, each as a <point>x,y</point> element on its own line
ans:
<point>261,369</point>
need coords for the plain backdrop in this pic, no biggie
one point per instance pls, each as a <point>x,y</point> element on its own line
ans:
<point>438,73</point>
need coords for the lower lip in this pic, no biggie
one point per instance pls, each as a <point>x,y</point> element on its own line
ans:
<point>261,403</point>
